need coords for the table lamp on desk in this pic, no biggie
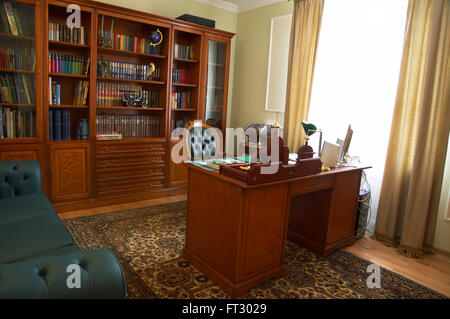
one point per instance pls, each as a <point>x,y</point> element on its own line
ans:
<point>306,151</point>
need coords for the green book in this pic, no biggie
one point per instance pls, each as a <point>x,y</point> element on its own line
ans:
<point>11,19</point>
<point>18,21</point>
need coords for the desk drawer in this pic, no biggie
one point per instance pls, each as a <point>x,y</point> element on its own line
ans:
<point>119,148</point>
<point>112,161</point>
<point>144,185</point>
<point>117,174</point>
<point>311,185</point>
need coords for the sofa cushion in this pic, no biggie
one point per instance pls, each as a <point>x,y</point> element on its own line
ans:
<point>20,208</point>
<point>32,237</point>
<point>19,178</point>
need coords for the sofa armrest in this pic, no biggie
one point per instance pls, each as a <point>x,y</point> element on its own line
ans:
<point>46,277</point>
<point>19,178</point>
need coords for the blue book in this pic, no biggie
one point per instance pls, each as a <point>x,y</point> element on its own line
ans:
<point>50,125</point>
<point>58,94</point>
<point>65,125</point>
<point>57,125</point>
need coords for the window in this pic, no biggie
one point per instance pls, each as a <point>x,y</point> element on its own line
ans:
<point>355,78</point>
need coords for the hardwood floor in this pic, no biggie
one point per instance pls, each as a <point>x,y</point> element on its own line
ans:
<point>432,271</point>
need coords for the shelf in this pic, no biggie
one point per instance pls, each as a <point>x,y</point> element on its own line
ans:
<point>67,44</point>
<point>185,60</point>
<point>16,105</point>
<point>7,140</point>
<point>16,37</point>
<point>130,108</point>
<point>135,140</point>
<point>216,64</point>
<point>131,81</point>
<point>184,110</point>
<point>17,71</point>
<point>69,106</point>
<point>128,53</point>
<point>72,140</point>
<point>185,85</point>
<point>74,76</point>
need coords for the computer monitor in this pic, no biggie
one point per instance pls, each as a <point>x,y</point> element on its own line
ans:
<point>346,144</point>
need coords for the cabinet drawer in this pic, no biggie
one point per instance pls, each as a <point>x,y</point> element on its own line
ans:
<point>118,148</point>
<point>130,173</point>
<point>149,159</point>
<point>140,186</point>
<point>311,185</point>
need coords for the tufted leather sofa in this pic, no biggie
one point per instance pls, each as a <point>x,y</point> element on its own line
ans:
<point>36,248</point>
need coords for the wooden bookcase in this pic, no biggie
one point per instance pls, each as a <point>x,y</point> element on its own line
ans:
<point>86,173</point>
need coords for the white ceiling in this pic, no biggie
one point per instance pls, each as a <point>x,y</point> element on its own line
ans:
<point>238,5</point>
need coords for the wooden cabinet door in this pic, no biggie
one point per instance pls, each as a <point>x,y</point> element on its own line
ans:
<point>178,173</point>
<point>69,166</point>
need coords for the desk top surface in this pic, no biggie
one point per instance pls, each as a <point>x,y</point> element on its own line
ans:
<point>332,171</point>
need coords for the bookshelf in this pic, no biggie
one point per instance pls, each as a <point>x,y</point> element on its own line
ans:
<point>19,73</point>
<point>78,170</point>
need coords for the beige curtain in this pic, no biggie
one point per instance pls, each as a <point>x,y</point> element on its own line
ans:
<point>412,180</point>
<point>305,29</point>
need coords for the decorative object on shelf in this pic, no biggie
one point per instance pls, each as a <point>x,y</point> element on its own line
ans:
<point>156,38</point>
<point>83,129</point>
<point>106,42</point>
<point>106,69</point>
<point>149,72</point>
<point>306,151</point>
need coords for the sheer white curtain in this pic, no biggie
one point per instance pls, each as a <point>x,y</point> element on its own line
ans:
<point>355,79</point>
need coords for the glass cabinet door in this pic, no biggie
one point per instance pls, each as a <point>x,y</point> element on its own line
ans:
<point>215,83</point>
<point>17,70</point>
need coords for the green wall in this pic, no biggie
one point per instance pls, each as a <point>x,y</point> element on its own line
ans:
<point>252,54</point>
<point>225,20</point>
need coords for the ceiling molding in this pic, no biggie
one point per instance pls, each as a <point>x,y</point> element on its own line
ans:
<point>244,5</point>
<point>250,5</point>
<point>225,5</point>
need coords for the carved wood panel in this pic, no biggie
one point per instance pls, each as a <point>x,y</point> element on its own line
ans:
<point>69,173</point>
<point>19,156</point>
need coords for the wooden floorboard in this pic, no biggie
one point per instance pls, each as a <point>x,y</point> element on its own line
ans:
<point>433,271</point>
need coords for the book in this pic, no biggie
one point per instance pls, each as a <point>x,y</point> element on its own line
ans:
<point>10,18</point>
<point>50,125</point>
<point>65,125</point>
<point>57,125</point>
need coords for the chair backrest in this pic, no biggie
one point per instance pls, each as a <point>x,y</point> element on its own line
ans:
<point>203,142</point>
<point>19,178</point>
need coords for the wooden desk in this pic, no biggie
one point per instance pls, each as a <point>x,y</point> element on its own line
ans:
<point>236,234</point>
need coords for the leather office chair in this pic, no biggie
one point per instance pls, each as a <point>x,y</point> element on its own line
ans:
<point>203,142</point>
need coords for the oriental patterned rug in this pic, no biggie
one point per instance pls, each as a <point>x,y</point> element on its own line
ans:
<point>149,241</point>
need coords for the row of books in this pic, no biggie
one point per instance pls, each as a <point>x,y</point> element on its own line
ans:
<point>183,51</point>
<point>59,125</point>
<point>16,20</point>
<point>62,33</point>
<point>79,97</point>
<point>181,76</point>
<point>16,123</point>
<point>127,43</point>
<point>66,63</point>
<point>130,71</point>
<point>130,126</point>
<point>17,59</point>
<point>17,88</point>
<point>181,100</point>
<point>111,94</point>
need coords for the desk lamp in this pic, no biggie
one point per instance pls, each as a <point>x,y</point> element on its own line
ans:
<point>306,151</point>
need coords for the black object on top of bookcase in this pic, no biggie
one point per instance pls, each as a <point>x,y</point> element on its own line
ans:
<point>198,20</point>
